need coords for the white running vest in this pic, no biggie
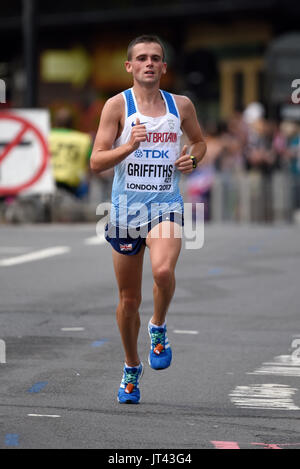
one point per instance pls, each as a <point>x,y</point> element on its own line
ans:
<point>146,183</point>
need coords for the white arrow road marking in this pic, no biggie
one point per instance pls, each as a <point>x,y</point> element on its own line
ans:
<point>270,396</point>
<point>264,396</point>
<point>283,365</point>
<point>176,331</point>
<point>35,256</point>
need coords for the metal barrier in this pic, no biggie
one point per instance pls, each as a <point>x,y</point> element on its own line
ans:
<point>247,197</point>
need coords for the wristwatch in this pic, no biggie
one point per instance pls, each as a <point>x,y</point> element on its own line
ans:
<point>195,162</point>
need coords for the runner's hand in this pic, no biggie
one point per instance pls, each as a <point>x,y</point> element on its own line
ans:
<point>184,162</point>
<point>138,135</point>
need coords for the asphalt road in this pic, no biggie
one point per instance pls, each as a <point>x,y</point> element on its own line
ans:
<point>233,326</point>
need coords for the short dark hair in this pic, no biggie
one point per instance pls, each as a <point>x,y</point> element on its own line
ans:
<point>63,118</point>
<point>146,38</point>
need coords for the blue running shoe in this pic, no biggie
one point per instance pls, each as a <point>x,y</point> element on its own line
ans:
<point>160,355</point>
<point>129,392</point>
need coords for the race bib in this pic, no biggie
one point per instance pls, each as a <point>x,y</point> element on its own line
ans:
<point>149,175</point>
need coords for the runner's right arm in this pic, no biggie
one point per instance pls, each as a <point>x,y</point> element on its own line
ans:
<point>103,155</point>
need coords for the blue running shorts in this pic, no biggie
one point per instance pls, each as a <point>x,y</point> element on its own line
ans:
<point>123,243</point>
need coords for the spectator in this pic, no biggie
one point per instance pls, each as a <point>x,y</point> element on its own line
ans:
<point>260,161</point>
<point>70,152</point>
<point>199,183</point>
<point>229,163</point>
<point>291,131</point>
<point>237,127</point>
<point>230,158</point>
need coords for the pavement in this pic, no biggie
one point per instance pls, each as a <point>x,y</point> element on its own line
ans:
<point>233,326</point>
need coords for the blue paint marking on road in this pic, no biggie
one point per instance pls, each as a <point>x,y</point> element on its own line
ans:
<point>254,248</point>
<point>215,271</point>
<point>37,387</point>
<point>98,343</point>
<point>11,439</point>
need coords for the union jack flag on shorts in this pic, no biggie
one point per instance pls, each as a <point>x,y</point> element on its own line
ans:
<point>126,247</point>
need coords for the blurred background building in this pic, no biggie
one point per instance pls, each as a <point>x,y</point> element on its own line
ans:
<point>236,59</point>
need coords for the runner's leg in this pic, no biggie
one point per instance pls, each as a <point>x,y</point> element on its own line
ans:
<point>164,253</point>
<point>128,270</point>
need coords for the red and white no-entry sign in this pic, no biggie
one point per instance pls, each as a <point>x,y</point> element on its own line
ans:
<point>24,156</point>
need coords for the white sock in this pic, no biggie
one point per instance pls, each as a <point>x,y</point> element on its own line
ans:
<point>154,325</point>
<point>126,366</point>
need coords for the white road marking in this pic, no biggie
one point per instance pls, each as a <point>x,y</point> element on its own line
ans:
<point>176,331</point>
<point>270,396</point>
<point>35,256</point>
<point>72,329</point>
<point>264,396</point>
<point>95,240</point>
<point>47,416</point>
<point>13,249</point>
<point>283,365</point>
<point>2,351</point>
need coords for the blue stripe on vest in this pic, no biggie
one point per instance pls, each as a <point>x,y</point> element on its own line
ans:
<point>130,103</point>
<point>171,104</point>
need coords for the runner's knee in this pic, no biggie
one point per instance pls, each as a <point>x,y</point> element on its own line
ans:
<point>162,276</point>
<point>130,304</point>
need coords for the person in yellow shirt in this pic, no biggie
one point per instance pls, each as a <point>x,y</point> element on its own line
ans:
<point>70,152</point>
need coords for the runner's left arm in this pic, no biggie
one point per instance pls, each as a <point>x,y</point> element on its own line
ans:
<point>193,132</point>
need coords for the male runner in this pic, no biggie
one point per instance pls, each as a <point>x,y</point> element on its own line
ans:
<point>139,135</point>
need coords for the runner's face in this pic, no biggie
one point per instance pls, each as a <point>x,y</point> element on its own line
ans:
<point>146,64</point>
